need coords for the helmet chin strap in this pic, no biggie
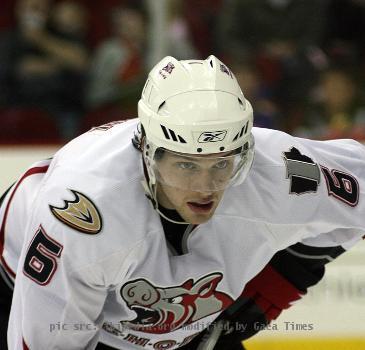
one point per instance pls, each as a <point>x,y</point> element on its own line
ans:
<point>151,194</point>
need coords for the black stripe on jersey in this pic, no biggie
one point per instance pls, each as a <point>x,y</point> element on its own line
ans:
<point>5,277</point>
<point>176,234</point>
<point>309,252</point>
<point>304,265</point>
<point>3,274</point>
<point>5,193</point>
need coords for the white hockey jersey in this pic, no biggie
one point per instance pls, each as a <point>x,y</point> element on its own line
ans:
<point>90,255</point>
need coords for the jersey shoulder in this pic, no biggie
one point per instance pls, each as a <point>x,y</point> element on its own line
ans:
<point>272,145</point>
<point>92,199</point>
<point>302,186</point>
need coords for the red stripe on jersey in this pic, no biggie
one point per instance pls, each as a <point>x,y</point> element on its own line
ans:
<point>32,171</point>
<point>25,346</point>
<point>271,292</point>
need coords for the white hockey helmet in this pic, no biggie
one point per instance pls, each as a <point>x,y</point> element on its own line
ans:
<point>195,108</point>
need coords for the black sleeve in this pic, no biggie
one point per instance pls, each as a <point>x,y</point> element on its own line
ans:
<point>285,279</point>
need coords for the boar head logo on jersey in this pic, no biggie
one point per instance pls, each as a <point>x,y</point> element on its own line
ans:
<point>161,310</point>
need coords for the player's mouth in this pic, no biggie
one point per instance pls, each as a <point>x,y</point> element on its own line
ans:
<point>201,207</point>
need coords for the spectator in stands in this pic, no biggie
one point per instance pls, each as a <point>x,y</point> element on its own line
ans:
<point>202,18</point>
<point>44,59</point>
<point>16,51</point>
<point>339,108</point>
<point>344,38</point>
<point>179,44</point>
<point>267,112</point>
<point>118,67</point>
<point>284,36</point>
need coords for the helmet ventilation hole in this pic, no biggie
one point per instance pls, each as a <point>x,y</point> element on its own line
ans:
<point>161,106</point>
<point>242,132</point>
<point>170,134</point>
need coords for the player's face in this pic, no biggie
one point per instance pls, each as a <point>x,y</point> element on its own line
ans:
<point>193,186</point>
<point>194,207</point>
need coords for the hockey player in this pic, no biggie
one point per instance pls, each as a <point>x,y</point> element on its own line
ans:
<point>96,262</point>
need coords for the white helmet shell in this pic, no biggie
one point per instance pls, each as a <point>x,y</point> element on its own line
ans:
<point>194,107</point>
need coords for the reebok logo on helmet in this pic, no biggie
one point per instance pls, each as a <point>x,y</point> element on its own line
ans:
<point>212,136</point>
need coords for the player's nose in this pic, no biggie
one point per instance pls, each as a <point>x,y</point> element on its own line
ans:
<point>205,183</point>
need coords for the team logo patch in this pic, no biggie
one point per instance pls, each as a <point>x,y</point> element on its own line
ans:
<point>225,70</point>
<point>106,127</point>
<point>164,309</point>
<point>81,214</point>
<point>167,70</point>
<point>212,136</point>
<point>302,171</point>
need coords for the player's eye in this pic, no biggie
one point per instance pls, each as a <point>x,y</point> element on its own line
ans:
<point>187,165</point>
<point>221,164</point>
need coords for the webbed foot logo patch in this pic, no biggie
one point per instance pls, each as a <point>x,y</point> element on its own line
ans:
<point>81,214</point>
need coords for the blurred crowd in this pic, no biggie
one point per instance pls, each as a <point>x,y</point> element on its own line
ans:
<point>68,65</point>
